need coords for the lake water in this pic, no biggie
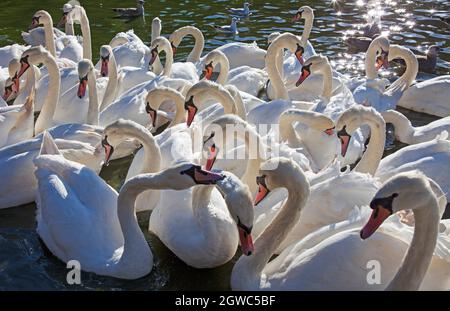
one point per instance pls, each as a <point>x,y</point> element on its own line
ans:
<point>24,261</point>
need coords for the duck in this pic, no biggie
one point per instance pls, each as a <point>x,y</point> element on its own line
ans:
<point>119,248</point>
<point>303,265</point>
<point>427,157</point>
<point>406,133</point>
<point>369,32</point>
<point>131,12</point>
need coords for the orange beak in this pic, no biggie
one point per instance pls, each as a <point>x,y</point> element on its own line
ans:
<point>82,87</point>
<point>246,241</point>
<point>305,74</point>
<point>379,215</point>
<point>23,67</point>
<point>330,132</point>
<point>104,68</point>
<point>263,191</point>
<point>212,155</point>
<point>191,109</point>
<point>174,48</point>
<point>109,150</point>
<point>208,72</point>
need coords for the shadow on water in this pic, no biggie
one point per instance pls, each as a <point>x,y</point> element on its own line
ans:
<point>24,261</point>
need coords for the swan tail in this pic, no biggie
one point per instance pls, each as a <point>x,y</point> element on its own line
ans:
<point>48,145</point>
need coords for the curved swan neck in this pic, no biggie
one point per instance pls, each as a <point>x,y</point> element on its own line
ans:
<point>177,98</point>
<point>327,81</point>
<point>136,249</point>
<point>68,28</point>
<point>403,126</point>
<point>238,102</point>
<point>111,88</point>
<point>199,44</point>
<point>252,138</point>
<point>412,66</point>
<point>86,32</point>
<point>275,233</point>
<point>371,70</point>
<point>286,123</point>
<point>49,40</point>
<point>420,252</point>
<point>45,118</point>
<point>169,60</point>
<point>92,115</point>
<point>271,63</point>
<point>222,60</point>
<point>218,93</point>
<point>309,20</point>
<point>372,157</point>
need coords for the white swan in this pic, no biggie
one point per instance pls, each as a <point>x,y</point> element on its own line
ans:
<point>7,53</point>
<point>131,104</point>
<point>430,96</point>
<point>17,122</point>
<point>305,265</point>
<point>428,157</point>
<point>247,79</point>
<point>16,164</point>
<point>406,133</point>
<point>201,227</point>
<point>66,58</point>
<point>118,248</point>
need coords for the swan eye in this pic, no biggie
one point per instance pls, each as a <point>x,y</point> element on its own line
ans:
<point>209,138</point>
<point>24,59</point>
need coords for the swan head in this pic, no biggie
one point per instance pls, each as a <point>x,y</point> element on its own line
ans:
<point>105,53</point>
<point>158,45</point>
<point>186,175</point>
<point>314,64</point>
<point>303,12</point>
<point>41,17</point>
<point>409,190</point>
<point>12,84</point>
<point>239,203</point>
<point>32,56</point>
<point>85,66</point>
<point>352,119</point>
<point>212,59</point>
<point>66,9</point>
<point>156,97</point>
<point>280,173</point>
<point>382,47</point>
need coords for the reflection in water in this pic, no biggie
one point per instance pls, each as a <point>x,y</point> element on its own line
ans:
<point>24,261</point>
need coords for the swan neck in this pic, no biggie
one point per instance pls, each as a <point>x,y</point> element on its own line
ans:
<point>371,70</point>
<point>86,33</point>
<point>45,118</point>
<point>309,20</point>
<point>222,79</point>
<point>372,157</point>
<point>404,130</point>
<point>111,88</point>
<point>420,252</point>
<point>252,144</point>
<point>199,45</point>
<point>49,41</point>
<point>68,28</point>
<point>327,82</point>
<point>169,61</point>
<point>411,65</point>
<point>92,115</point>
<point>274,75</point>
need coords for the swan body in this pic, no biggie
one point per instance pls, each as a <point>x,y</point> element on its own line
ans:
<point>307,264</point>
<point>9,52</point>
<point>409,134</point>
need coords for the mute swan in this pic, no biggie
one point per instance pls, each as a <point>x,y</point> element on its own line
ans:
<point>430,96</point>
<point>238,53</point>
<point>307,264</point>
<point>119,80</point>
<point>198,102</point>
<point>75,54</point>
<point>17,122</point>
<point>117,132</point>
<point>229,29</point>
<point>16,164</point>
<point>118,248</point>
<point>408,134</point>
<point>247,79</point>
<point>9,52</point>
<point>131,12</point>
<point>428,157</point>
<point>245,11</point>
<point>201,227</point>
<point>131,104</point>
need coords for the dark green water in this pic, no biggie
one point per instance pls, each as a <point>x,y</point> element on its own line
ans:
<point>24,261</point>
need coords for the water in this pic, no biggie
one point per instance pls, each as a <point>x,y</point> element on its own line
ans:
<point>25,263</point>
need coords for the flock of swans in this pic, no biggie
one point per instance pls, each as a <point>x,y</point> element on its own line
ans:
<point>296,197</point>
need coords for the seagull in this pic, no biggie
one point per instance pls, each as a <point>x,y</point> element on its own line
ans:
<point>242,12</point>
<point>131,12</point>
<point>232,29</point>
